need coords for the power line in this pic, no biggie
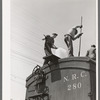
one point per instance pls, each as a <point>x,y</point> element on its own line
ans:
<point>18,82</point>
<point>25,11</point>
<point>30,24</point>
<point>17,77</point>
<point>27,61</point>
<point>23,44</point>
<point>30,31</point>
<point>20,54</point>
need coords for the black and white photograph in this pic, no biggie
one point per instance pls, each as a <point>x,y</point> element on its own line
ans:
<point>53,50</point>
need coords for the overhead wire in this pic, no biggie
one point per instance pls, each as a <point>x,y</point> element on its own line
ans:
<point>25,56</point>
<point>18,82</point>
<point>28,13</point>
<point>29,24</point>
<point>25,60</point>
<point>36,19</point>
<point>25,39</point>
<point>14,76</point>
<point>23,30</point>
<point>20,54</point>
<point>28,47</point>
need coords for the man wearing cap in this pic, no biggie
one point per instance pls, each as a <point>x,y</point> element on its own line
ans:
<point>91,53</point>
<point>70,37</point>
<point>49,43</point>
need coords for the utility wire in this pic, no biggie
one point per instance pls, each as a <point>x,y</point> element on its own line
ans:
<point>20,54</point>
<point>33,63</point>
<point>28,47</point>
<point>28,13</point>
<point>14,76</point>
<point>18,82</point>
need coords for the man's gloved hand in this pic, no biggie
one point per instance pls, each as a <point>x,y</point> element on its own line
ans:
<point>55,48</point>
<point>80,35</point>
<point>81,26</point>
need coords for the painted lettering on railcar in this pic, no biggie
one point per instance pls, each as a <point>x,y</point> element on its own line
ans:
<point>70,79</point>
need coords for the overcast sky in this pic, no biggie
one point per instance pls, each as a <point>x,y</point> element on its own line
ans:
<point>30,19</point>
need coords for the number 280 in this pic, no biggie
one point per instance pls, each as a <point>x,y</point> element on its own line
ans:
<point>74,86</point>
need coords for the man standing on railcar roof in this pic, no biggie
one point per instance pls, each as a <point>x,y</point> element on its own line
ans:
<point>91,53</point>
<point>49,43</point>
<point>70,37</point>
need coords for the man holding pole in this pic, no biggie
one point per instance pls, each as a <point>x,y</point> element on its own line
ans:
<point>70,37</point>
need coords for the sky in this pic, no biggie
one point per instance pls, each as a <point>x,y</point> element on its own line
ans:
<point>31,19</point>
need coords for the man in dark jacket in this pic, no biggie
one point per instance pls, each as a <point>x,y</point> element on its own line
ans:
<point>91,53</point>
<point>49,43</point>
<point>70,37</point>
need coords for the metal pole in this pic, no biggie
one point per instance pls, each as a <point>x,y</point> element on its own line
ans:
<point>80,39</point>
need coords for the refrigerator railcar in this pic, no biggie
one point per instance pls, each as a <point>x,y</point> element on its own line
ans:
<point>71,78</point>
